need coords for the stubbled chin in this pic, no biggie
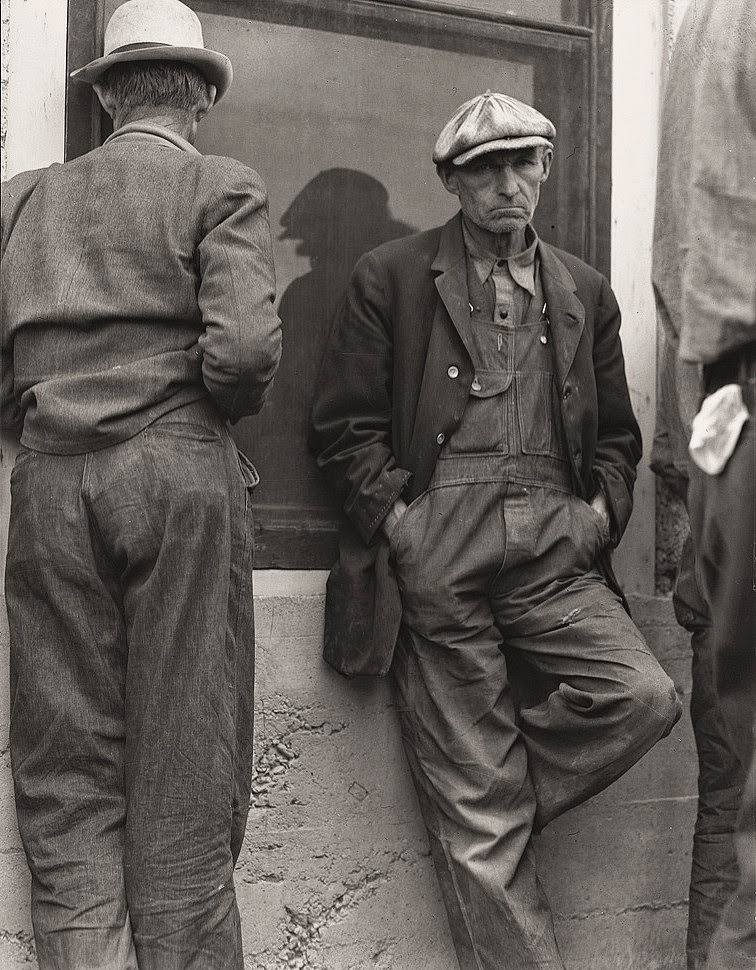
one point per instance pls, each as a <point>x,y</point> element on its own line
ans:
<point>507,225</point>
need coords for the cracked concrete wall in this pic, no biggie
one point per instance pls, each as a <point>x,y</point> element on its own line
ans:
<point>335,872</point>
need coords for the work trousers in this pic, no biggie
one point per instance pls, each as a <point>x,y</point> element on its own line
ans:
<point>723,523</point>
<point>523,688</point>
<point>129,596</point>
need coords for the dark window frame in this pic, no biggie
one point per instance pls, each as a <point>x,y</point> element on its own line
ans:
<point>301,538</point>
<point>390,20</point>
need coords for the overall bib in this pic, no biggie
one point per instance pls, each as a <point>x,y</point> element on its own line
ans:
<point>522,684</point>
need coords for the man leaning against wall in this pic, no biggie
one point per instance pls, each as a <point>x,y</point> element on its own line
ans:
<point>473,414</point>
<point>137,322</point>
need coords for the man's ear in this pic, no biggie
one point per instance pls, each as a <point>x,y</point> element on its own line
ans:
<point>449,178</point>
<point>207,103</point>
<point>105,98</point>
<point>548,155</point>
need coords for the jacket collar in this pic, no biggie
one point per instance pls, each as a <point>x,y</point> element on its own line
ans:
<point>451,264</point>
<point>146,131</point>
<point>565,312</point>
<point>451,245</point>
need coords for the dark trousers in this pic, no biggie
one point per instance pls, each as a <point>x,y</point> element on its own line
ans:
<point>714,866</point>
<point>523,688</point>
<point>132,662</point>
<point>723,523</point>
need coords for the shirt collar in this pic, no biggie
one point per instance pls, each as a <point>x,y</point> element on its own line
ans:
<point>146,131</point>
<point>521,266</point>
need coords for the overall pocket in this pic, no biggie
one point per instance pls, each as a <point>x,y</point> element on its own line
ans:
<point>539,416</point>
<point>485,427</point>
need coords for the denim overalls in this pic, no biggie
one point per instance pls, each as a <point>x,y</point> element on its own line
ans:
<point>523,686</point>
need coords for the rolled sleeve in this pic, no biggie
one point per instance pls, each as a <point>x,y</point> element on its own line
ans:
<point>241,342</point>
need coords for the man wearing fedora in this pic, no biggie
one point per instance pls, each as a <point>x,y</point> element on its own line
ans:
<point>473,413</point>
<point>137,322</point>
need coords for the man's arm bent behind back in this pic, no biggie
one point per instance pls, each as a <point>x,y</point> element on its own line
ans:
<point>241,343</point>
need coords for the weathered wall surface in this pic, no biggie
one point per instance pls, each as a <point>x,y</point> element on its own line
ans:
<point>335,872</point>
<point>637,65</point>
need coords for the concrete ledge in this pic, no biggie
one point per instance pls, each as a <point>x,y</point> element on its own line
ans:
<point>283,583</point>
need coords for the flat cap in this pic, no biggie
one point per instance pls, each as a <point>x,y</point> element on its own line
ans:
<point>488,123</point>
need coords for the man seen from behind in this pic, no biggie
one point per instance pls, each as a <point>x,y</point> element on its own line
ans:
<point>137,322</point>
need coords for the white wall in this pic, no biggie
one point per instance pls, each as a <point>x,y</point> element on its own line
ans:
<point>34,98</point>
<point>637,64</point>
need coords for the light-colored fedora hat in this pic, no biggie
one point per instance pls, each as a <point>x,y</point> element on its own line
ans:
<point>158,30</point>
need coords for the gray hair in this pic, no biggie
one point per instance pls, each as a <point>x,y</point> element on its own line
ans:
<point>165,84</point>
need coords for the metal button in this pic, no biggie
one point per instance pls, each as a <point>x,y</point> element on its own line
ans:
<point>440,438</point>
<point>475,384</point>
<point>503,314</point>
<point>453,372</point>
<point>501,262</point>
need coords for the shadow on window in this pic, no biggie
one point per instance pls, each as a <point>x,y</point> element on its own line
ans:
<point>339,215</point>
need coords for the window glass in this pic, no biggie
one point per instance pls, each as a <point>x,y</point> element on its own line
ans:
<point>339,115</point>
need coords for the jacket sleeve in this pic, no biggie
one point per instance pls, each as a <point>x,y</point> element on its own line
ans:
<point>718,264</point>
<point>352,410</point>
<point>618,445</point>
<point>241,343</point>
<point>13,195</point>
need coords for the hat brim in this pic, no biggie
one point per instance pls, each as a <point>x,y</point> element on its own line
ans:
<point>501,144</point>
<point>215,66</point>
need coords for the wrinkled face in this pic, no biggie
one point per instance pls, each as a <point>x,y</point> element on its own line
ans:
<point>499,191</point>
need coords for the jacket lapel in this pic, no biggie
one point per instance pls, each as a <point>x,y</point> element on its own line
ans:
<point>451,265</point>
<point>441,401</point>
<point>565,312</point>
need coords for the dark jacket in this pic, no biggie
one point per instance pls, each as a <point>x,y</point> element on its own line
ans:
<point>385,396</point>
<point>135,279</point>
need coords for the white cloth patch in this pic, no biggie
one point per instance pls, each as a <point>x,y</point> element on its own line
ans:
<point>716,429</point>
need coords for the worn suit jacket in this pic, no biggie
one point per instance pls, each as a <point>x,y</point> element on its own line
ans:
<point>135,279</point>
<point>385,396</point>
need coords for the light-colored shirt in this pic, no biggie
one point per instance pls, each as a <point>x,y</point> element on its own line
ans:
<point>512,277</point>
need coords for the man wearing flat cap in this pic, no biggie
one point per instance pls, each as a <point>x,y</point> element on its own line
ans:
<point>137,322</point>
<point>473,414</point>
